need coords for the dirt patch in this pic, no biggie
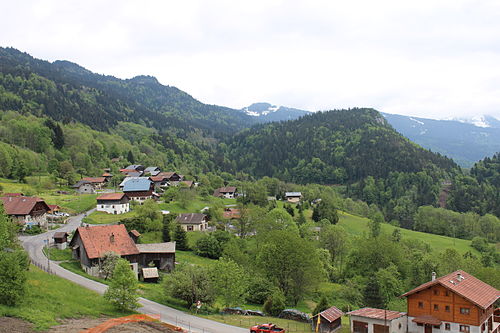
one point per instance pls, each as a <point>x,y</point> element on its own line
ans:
<point>15,325</point>
<point>140,327</point>
<point>76,325</point>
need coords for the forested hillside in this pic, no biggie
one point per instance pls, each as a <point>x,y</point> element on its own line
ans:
<point>333,147</point>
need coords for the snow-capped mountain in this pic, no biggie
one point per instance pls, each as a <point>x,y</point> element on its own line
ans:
<point>466,141</point>
<point>265,112</point>
<point>480,121</point>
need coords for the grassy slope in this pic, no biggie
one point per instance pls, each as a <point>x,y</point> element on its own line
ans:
<point>50,298</point>
<point>358,225</point>
<point>105,218</point>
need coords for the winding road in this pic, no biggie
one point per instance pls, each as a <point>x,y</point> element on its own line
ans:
<point>34,246</point>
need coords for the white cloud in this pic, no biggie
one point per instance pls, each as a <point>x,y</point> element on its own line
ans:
<point>426,58</point>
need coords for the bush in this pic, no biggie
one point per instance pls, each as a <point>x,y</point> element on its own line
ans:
<point>259,290</point>
<point>275,303</point>
<point>208,246</point>
<point>321,306</point>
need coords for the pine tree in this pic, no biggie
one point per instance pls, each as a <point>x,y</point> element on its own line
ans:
<point>130,157</point>
<point>373,297</point>
<point>321,306</point>
<point>122,290</point>
<point>180,238</point>
<point>166,228</point>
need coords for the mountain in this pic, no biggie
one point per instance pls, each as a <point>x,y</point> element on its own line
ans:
<point>332,147</point>
<point>465,142</point>
<point>265,112</point>
<point>480,121</point>
<point>66,92</point>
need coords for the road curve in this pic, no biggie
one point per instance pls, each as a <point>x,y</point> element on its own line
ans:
<point>34,246</point>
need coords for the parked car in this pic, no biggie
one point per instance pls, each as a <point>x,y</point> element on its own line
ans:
<point>266,328</point>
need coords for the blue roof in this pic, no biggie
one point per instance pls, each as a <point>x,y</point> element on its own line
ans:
<point>137,184</point>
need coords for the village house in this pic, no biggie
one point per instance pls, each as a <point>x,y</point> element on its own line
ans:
<point>89,244</point>
<point>140,189</point>
<point>370,320</point>
<point>131,172</point>
<point>113,203</point>
<point>107,175</point>
<point>84,187</point>
<point>293,197</point>
<point>97,182</point>
<point>228,192</point>
<point>193,221</point>
<point>26,210</point>
<point>454,303</point>
<point>159,181</point>
<point>231,213</point>
<point>136,167</point>
<point>173,178</point>
<point>328,321</point>
<point>53,209</point>
<point>187,183</point>
<point>61,240</point>
<point>152,171</point>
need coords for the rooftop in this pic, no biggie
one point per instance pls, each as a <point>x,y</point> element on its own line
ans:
<point>331,314</point>
<point>111,196</point>
<point>21,205</point>
<point>191,218</point>
<point>157,248</point>
<point>377,313</point>
<point>137,184</point>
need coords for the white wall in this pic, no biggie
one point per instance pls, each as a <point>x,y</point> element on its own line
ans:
<point>112,208</point>
<point>393,325</point>
<point>454,328</point>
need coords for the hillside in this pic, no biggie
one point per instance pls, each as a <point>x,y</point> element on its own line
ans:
<point>265,112</point>
<point>465,142</point>
<point>330,147</point>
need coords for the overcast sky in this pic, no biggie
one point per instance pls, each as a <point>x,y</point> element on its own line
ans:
<point>434,58</point>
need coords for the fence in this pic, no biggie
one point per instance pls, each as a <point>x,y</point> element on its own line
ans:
<point>249,321</point>
<point>44,267</point>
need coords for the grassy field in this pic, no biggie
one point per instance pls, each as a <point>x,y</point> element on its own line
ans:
<point>191,258</point>
<point>58,255</point>
<point>50,298</point>
<point>105,218</point>
<point>194,206</point>
<point>359,225</point>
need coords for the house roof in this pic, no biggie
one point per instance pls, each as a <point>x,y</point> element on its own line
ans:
<point>293,194</point>
<point>152,170</point>
<point>111,196</point>
<point>126,179</point>
<point>21,205</point>
<point>427,319</point>
<point>232,213</point>
<point>191,218</point>
<point>81,182</point>
<point>94,179</point>
<point>135,173</point>
<point>107,174</point>
<point>98,240</point>
<point>137,184</point>
<point>158,178</point>
<point>13,194</point>
<point>377,313</point>
<point>168,174</point>
<point>168,247</point>
<point>465,285</point>
<point>150,273</point>
<point>54,207</point>
<point>60,234</point>
<point>134,167</point>
<point>222,190</point>
<point>331,314</point>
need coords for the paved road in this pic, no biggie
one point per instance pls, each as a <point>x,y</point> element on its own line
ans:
<point>34,245</point>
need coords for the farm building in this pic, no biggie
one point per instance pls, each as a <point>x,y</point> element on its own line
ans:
<point>84,187</point>
<point>26,210</point>
<point>293,197</point>
<point>113,203</point>
<point>228,192</point>
<point>97,182</point>
<point>162,255</point>
<point>61,240</point>
<point>327,321</point>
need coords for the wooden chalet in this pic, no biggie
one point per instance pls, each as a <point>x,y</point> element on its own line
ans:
<point>457,302</point>
<point>228,192</point>
<point>26,210</point>
<point>328,321</point>
<point>97,182</point>
<point>173,178</point>
<point>140,189</point>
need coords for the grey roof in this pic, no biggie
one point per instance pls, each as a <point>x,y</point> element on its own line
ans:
<point>135,174</point>
<point>126,179</point>
<point>190,218</point>
<point>134,166</point>
<point>152,170</point>
<point>137,184</point>
<point>81,182</point>
<point>156,247</point>
<point>293,194</point>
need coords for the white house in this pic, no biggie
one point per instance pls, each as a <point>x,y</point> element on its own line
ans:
<point>113,203</point>
<point>370,320</point>
<point>293,197</point>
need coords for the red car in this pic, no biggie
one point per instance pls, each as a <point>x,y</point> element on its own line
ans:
<point>266,328</point>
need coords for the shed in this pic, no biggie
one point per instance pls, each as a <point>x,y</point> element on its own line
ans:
<point>327,321</point>
<point>134,234</point>
<point>150,274</point>
<point>61,240</point>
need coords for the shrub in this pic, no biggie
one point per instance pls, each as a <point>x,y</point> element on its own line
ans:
<point>275,303</point>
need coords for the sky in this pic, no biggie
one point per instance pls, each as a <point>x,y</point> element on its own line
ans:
<point>436,59</point>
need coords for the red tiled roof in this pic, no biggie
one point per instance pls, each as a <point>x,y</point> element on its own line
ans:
<point>13,194</point>
<point>98,240</point>
<point>94,179</point>
<point>331,314</point>
<point>111,196</point>
<point>232,213</point>
<point>21,205</point>
<point>376,313</point>
<point>469,287</point>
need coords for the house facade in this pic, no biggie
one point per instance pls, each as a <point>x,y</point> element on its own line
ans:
<point>97,182</point>
<point>113,203</point>
<point>455,303</point>
<point>139,189</point>
<point>370,320</point>
<point>228,192</point>
<point>193,221</point>
<point>26,210</point>
<point>293,197</point>
<point>84,187</point>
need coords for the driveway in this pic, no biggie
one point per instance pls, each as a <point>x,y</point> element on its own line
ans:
<point>34,246</point>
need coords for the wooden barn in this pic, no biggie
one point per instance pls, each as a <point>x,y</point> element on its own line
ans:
<point>328,321</point>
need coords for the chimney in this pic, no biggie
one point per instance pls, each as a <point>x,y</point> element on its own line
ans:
<point>433,276</point>
<point>112,238</point>
<point>459,277</point>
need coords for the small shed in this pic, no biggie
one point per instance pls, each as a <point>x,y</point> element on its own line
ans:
<point>150,274</point>
<point>328,321</point>
<point>61,240</point>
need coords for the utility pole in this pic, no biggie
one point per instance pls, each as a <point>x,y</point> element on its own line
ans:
<point>48,254</point>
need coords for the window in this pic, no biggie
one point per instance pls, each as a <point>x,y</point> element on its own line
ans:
<point>399,326</point>
<point>437,326</point>
<point>420,305</point>
<point>436,307</point>
<point>447,308</point>
<point>465,311</point>
<point>436,292</point>
<point>464,328</point>
<point>447,293</point>
<point>482,327</point>
<point>447,326</point>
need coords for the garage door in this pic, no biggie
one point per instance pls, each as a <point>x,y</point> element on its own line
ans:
<point>380,328</point>
<point>359,327</point>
